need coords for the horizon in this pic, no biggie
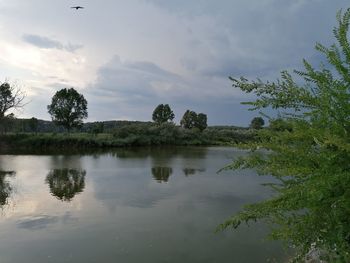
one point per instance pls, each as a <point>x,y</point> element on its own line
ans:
<point>150,121</point>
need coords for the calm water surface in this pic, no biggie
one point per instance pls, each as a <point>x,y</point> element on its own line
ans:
<point>129,205</point>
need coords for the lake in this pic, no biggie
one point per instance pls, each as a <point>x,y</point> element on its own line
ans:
<point>130,205</point>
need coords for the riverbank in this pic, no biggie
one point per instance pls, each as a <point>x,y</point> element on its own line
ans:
<point>126,137</point>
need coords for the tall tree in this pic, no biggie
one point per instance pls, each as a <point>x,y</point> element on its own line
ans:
<point>188,119</point>
<point>310,159</point>
<point>192,120</point>
<point>68,108</point>
<point>201,121</point>
<point>162,113</point>
<point>257,123</point>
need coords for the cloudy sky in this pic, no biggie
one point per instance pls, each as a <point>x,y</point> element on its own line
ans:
<point>127,57</point>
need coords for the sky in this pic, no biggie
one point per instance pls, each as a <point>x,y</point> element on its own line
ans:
<point>126,57</point>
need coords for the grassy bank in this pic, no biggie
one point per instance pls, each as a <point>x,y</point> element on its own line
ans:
<point>131,135</point>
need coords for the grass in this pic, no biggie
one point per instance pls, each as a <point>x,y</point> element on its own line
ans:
<point>132,135</point>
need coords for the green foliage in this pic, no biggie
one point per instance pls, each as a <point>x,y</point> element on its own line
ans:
<point>230,136</point>
<point>192,120</point>
<point>162,113</point>
<point>68,108</point>
<point>97,128</point>
<point>201,122</point>
<point>308,154</point>
<point>280,124</point>
<point>7,123</point>
<point>33,124</point>
<point>136,134</point>
<point>188,119</point>
<point>257,123</point>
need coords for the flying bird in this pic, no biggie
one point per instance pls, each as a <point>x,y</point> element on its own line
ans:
<point>77,7</point>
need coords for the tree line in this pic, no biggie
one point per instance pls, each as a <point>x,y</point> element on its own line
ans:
<point>163,113</point>
<point>68,109</point>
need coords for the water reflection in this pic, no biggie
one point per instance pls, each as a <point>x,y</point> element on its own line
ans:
<point>123,208</point>
<point>192,171</point>
<point>63,161</point>
<point>38,222</point>
<point>66,183</point>
<point>161,174</point>
<point>160,152</point>
<point>130,152</point>
<point>5,187</point>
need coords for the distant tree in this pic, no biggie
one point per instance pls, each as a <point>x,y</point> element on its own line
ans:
<point>188,120</point>
<point>97,128</point>
<point>162,113</point>
<point>280,124</point>
<point>192,120</point>
<point>33,124</point>
<point>201,121</point>
<point>7,124</point>
<point>68,108</point>
<point>257,123</point>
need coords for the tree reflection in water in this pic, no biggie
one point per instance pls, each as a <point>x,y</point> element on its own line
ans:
<point>66,183</point>
<point>161,174</point>
<point>5,187</point>
<point>192,171</point>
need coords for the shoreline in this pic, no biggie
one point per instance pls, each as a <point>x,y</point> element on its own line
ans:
<point>76,143</point>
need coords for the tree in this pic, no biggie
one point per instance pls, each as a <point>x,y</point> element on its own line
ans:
<point>11,97</point>
<point>192,120</point>
<point>7,124</point>
<point>68,108</point>
<point>201,121</point>
<point>97,128</point>
<point>162,113</point>
<point>280,124</point>
<point>257,123</point>
<point>311,205</point>
<point>33,124</point>
<point>188,120</point>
